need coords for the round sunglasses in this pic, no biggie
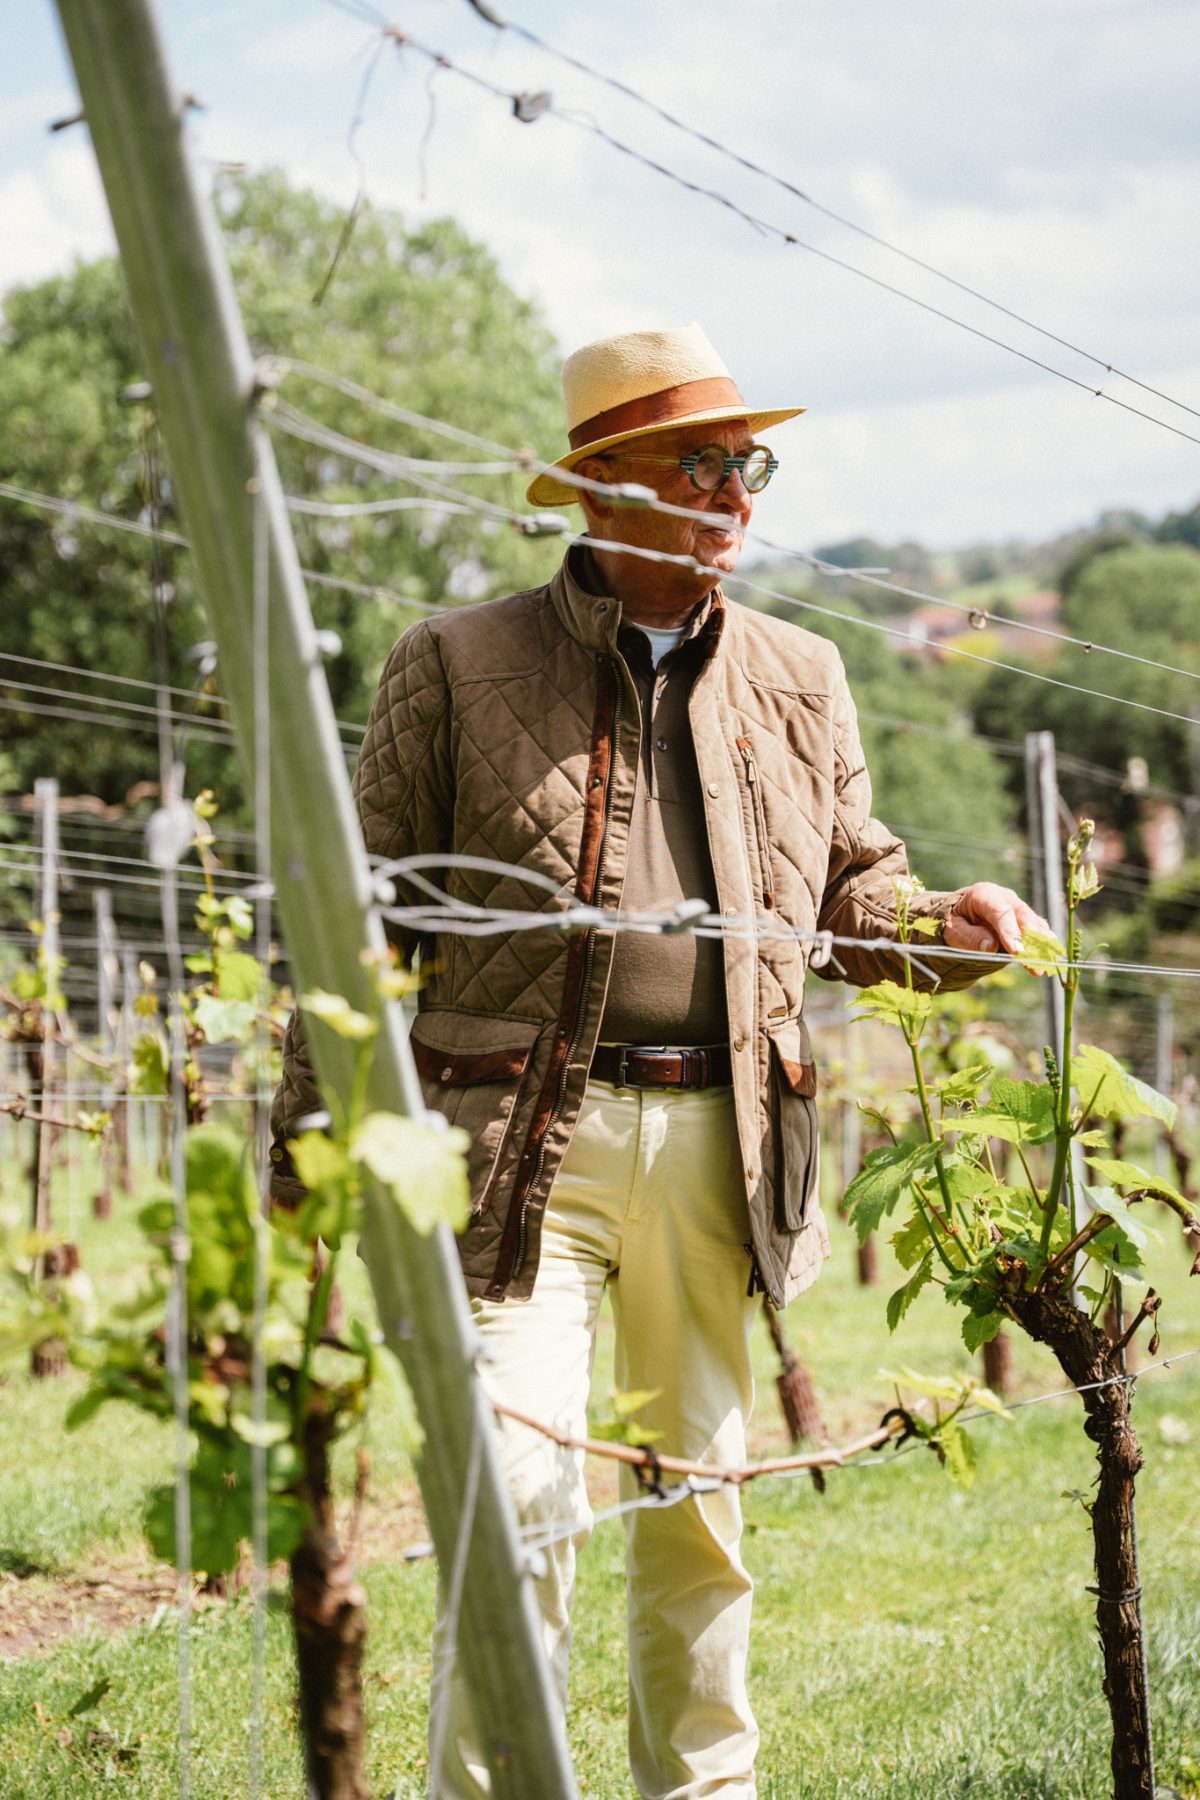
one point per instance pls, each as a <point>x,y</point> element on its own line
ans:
<point>710,468</point>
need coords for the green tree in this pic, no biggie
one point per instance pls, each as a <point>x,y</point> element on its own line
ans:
<point>1141,598</point>
<point>420,316</point>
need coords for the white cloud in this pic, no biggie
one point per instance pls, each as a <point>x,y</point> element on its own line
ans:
<point>52,214</point>
<point>1045,152</point>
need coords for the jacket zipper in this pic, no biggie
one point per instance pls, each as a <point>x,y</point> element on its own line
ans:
<point>581,1010</point>
<point>760,822</point>
<point>505,1273</point>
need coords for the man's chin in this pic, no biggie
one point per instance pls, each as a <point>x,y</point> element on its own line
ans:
<point>721,555</point>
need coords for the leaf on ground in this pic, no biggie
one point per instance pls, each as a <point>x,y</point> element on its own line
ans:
<point>91,1698</point>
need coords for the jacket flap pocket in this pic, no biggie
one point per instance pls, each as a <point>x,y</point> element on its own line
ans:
<point>462,1049</point>
<point>793,1055</point>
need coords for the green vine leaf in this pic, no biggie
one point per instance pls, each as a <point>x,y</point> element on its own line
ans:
<point>980,1328</point>
<point>1127,1174</point>
<point>899,1302</point>
<point>958,1455</point>
<point>1041,950</point>
<point>240,976</point>
<point>223,1019</point>
<point>892,1004</point>
<point>422,1166</point>
<point>886,1175</point>
<point>1111,1092</point>
<point>911,1241</point>
<point>336,1012</point>
<point>1019,1112</point>
<point>149,1068</point>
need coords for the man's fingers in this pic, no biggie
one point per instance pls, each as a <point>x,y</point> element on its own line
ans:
<point>960,934</point>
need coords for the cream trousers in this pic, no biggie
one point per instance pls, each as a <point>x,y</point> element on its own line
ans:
<point>650,1201</point>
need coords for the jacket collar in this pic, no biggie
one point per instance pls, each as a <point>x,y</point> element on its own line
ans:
<point>592,616</point>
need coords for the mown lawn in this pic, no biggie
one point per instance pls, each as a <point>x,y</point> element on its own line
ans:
<point>910,1640</point>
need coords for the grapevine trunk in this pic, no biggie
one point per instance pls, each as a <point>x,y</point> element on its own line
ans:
<point>329,1617</point>
<point>1087,1356</point>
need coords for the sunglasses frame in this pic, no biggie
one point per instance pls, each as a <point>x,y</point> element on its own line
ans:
<point>688,463</point>
<point>732,461</point>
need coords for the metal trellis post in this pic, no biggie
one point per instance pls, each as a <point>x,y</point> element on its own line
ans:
<point>222,465</point>
<point>46,794</point>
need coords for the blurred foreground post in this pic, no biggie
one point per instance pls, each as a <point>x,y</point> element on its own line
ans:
<point>223,469</point>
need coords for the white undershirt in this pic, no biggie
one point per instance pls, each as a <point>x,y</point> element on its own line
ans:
<point>662,642</point>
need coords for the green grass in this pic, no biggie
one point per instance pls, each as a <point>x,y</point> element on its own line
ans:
<point>910,1640</point>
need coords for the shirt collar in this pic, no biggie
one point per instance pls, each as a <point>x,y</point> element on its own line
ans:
<point>591,614</point>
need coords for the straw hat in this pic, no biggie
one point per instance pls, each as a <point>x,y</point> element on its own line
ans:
<point>643,381</point>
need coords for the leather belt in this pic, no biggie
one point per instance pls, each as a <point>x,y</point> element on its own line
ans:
<point>657,1065</point>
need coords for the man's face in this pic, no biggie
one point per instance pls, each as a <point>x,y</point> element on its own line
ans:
<point>701,535</point>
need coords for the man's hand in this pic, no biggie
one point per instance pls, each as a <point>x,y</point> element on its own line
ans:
<point>990,917</point>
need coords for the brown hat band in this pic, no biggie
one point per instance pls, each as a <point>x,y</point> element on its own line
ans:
<point>657,409</point>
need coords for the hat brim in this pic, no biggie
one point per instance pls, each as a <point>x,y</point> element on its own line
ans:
<point>546,490</point>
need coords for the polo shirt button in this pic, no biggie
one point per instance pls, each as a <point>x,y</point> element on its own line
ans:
<point>713,789</point>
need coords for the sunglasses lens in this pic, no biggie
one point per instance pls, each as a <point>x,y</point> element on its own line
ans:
<point>709,471</point>
<point>760,466</point>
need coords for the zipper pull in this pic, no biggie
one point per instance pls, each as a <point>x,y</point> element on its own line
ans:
<point>743,745</point>
<point>756,1284</point>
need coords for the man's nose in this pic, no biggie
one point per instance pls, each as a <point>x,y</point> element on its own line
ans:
<point>735,497</point>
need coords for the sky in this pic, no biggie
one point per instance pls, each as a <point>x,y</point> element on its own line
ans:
<point>1045,152</point>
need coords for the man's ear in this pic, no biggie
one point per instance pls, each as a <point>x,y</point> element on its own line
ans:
<point>595,507</point>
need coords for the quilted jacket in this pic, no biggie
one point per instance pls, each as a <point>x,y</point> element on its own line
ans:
<point>510,731</point>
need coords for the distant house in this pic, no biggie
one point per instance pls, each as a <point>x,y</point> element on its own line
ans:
<point>930,630</point>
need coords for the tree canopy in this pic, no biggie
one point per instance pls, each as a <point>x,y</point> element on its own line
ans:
<point>420,316</point>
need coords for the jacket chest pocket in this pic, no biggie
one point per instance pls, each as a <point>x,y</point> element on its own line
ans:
<point>794,1105</point>
<point>474,1069</point>
<point>757,807</point>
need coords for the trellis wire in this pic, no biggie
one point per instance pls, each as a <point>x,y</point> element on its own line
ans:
<point>540,1536</point>
<point>486,11</point>
<point>584,122</point>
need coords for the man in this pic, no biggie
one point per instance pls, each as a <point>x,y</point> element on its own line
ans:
<point>640,1106</point>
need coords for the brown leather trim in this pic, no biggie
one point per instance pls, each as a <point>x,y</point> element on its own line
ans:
<point>800,1077</point>
<point>595,799</point>
<point>649,410</point>
<point>463,1068</point>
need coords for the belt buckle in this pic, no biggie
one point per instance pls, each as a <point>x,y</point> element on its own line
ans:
<point>626,1051</point>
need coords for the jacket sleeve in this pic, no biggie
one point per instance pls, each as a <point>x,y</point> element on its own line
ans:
<point>403,792</point>
<point>865,861</point>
